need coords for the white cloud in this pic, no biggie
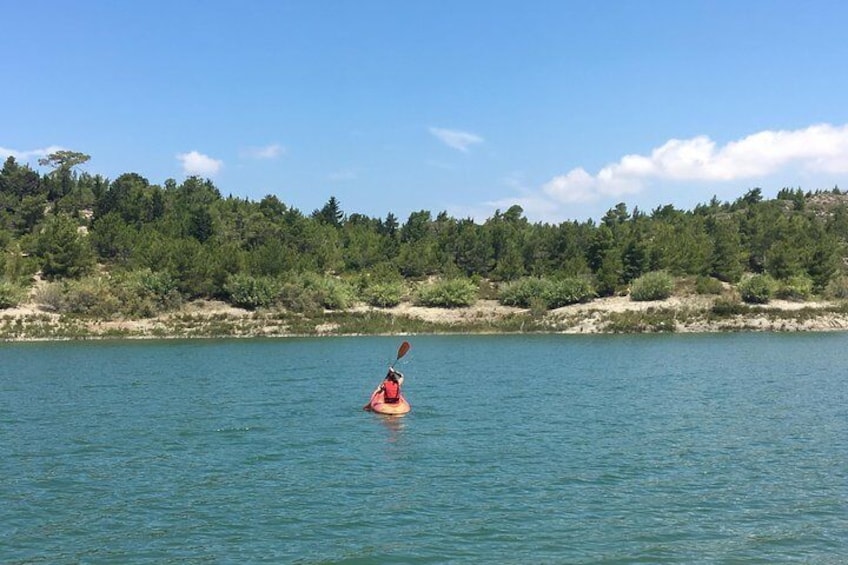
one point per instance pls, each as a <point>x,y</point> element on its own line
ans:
<point>195,163</point>
<point>26,155</point>
<point>575,186</point>
<point>271,151</point>
<point>679,166</point>
<point>820,148</point>
<point>456,139</point>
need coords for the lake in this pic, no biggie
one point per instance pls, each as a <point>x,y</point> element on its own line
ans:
<point>725,448</point>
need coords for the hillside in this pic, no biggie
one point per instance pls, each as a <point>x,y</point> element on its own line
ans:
<point>129,257</point>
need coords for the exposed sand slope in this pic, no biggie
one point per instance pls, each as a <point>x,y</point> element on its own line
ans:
<point>690,314</point>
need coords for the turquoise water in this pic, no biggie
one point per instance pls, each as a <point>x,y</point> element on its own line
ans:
<point>545,449</point>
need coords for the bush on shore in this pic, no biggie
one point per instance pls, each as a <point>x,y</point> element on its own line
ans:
<point>134,294</point>
<point>757,289</point>
<point>837,288</point>
<point>522,292</point>
<point>383,294</point>
<point>250,292</point>
<point>708,285</point>
<point>656,285</point>
<point>309,292</point>
<point>451,293</point>
<point>572,290</point>
<point>10,295</point>
<point>531,292</point>
<point>798,287</point>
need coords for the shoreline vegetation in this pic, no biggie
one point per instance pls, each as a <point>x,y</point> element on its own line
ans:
<point>609,315</point>
<point>85,257</point>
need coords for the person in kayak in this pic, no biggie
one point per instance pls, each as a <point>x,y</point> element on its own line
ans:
<point>390,387</point>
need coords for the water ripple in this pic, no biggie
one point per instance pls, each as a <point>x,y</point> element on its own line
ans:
<point>547,449</point>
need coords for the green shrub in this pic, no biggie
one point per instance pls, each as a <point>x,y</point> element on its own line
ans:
<point>309,292</point>
<point>522,292</point>
<point>250,292</point>
<point>452,293</point>
<point>143,293</point>
<point>51,297</point>
<point>163,288</point>
<point>837,288</point>
<point>331,293</point>
<point>10,295</point>
<point>383,295</point>
<point>90,296</point>
<point>528,292</point>
<point>708,285</point>
<point>656,285</point>
<point>757,289</point>
<point>297,298</point>
<point>567,291</point>
<point>798,287</point>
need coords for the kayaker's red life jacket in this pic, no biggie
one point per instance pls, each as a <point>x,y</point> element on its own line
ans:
<point>391,390</point>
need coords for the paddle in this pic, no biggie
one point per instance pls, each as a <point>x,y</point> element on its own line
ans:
<point>402,350</point>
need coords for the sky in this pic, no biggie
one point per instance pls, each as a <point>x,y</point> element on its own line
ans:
<point>565,108</point>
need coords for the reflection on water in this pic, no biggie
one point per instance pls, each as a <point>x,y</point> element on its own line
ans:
<point>395,426</point>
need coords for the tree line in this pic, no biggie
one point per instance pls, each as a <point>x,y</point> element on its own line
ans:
<point>186,240</point>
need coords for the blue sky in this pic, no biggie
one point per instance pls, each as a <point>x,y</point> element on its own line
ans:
<point>565,108</point>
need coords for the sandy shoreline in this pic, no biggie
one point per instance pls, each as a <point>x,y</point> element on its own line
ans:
<point>686,314</point>
<point>592,317</point>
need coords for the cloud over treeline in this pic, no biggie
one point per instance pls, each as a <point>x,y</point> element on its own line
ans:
<point>196,163</point>
<point>820,148</point>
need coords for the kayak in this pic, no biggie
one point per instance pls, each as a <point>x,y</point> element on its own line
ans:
<point>379,405</point>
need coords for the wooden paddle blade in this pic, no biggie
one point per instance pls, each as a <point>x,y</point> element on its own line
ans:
<point>404,347</point>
